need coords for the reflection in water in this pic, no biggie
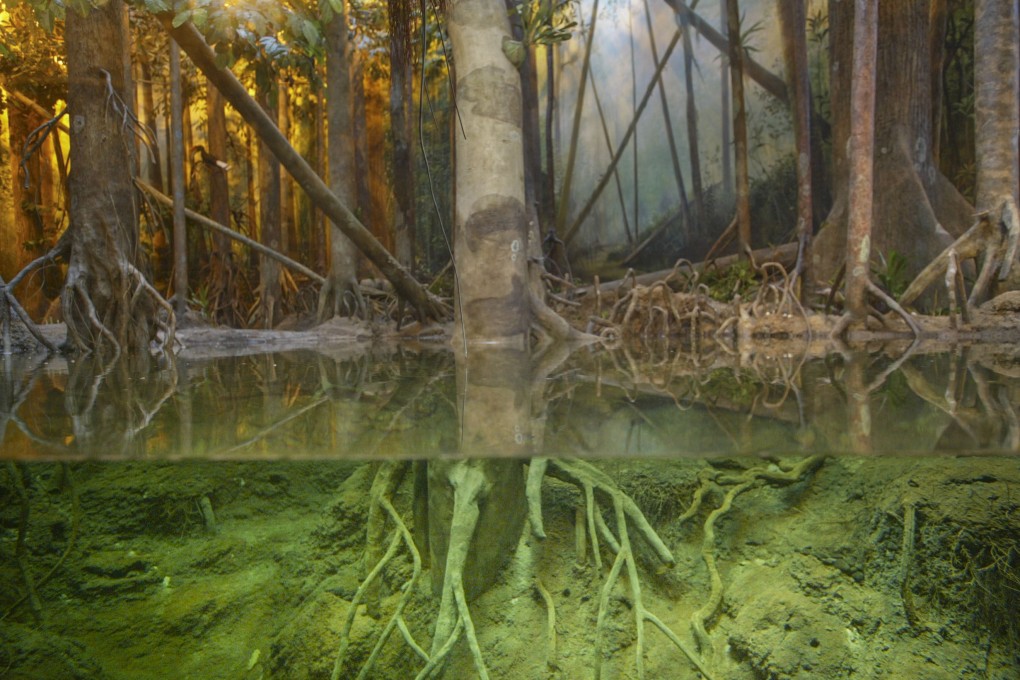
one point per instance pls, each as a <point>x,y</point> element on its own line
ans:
<point>475,474</point>
<point>605,403</point>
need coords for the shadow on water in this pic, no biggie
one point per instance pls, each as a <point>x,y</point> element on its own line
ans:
<point>422,514</point>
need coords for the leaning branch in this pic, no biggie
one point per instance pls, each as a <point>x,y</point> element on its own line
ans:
<point>204,221</point>
<point>194,45</point>
<point>769,81</point>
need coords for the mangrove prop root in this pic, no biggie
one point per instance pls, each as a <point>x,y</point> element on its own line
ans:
<point>550,624</point>
<point>591,479</point>
<point>382,489</point>
<point>737,483</point>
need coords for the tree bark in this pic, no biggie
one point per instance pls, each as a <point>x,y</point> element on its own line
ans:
<point>490,235</point>
<point>736,58</point>
<point>180,233</point>
<point>219,202</point>
<point>401,100</point>
<point>194,45</point>
<point>342,283</point>
<point>914,205</point>
<point>792,18</point>
<point>269,214</point>
<point>99,301</point>
<point>862,151</point>
<point>997,93</point>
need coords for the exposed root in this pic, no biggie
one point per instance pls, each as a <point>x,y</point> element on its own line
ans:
<point>550,624</point>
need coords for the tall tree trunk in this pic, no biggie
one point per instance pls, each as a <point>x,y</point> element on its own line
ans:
<point>155,168</point>
<point>269,216</point>
<point>401,101</point>
<point>99,304</point>
<point>176,150</point>
<point>692,130</point>
<point>359,129</point>
<point>340,295</point>
<point>288,226</point>
<point>997,92</point>
<point>739,128</point>
<point>724,107</point>
<point>489,226</point>
<point>862,152</point>
<point>678,174</point>
<point>219,203</point>
<point>792,18</point>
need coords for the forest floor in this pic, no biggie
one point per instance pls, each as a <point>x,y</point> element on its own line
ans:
<point>818,581</point>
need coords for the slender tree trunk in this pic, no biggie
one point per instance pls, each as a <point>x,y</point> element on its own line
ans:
<point>568,173</point>
<point>269,217</point>
<point>792,17</point>
<point>612,152</point>
<point>155,166</point>
<point>862,152</point>
<point>635,173</point>
<point>739,128</point>
<point>678,174</point>
<point>340,295</point>
<point>548,209</point>
<point>288,226</point>
<point>726,152</point>
<point>401,100</point>
<point>176,150</point>
<point>692,130</point>
<point>219,202</point>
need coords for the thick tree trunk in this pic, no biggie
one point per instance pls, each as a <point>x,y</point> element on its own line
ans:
<point>99,301</point>
<point>489,225</point>
<point>914,205</point>
<point>997,92</point>
<point>340,295</point>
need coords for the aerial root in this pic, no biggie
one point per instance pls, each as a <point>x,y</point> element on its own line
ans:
<point>737,483</point>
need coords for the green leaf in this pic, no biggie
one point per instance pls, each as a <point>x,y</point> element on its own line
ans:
<point>199,17</point>
<point>337,5</point>
<point>310,31</point>
<point>181,18</point>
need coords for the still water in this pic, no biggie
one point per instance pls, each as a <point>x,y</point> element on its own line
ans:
<point>775,515</point>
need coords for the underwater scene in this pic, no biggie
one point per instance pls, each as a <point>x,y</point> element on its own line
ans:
<point>611,513</point>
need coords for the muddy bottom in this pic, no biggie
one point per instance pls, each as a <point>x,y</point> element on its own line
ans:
<point>865,568</point>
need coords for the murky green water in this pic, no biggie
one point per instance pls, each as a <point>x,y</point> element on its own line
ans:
<point>594,404</point>
<point>843,517</point>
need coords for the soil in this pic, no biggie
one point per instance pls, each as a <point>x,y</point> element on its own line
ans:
<point>813,575</point>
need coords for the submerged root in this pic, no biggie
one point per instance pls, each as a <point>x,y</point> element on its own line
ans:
<point>737,484</point>
<point>596,484</point>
